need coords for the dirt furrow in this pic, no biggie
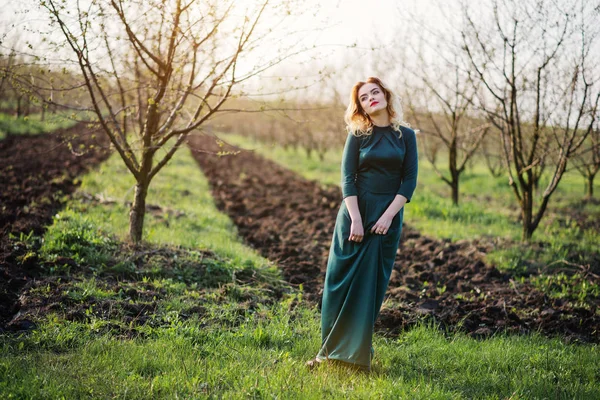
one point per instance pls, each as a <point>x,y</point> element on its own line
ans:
<point>35,174</point>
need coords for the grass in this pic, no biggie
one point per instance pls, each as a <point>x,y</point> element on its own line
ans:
<point>487,209</point>
<point>194,313</point>
<point>262,357</point>
<point>182,211</point>
<point>33,124</point>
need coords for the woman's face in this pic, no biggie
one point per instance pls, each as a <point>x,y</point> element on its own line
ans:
<point>372,98</point>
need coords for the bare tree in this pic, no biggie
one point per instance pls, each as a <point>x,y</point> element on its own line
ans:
<point>538,63</point>
<point>492,156</point>
<point>7,63</point>
<point>13,92</point>
<point>587,162</point>
<point>18,85</point>
<point>439,93</point>
<point>156,70</point>
<point>451,119</point>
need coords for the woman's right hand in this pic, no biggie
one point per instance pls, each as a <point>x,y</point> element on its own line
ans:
<point>356,231</point>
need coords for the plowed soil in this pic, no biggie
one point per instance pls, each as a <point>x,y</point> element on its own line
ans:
<point>35,174</point>
<point>290,220</point>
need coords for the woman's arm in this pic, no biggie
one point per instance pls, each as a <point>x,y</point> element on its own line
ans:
<point>410,166</point>
<point>350,166</point>
<point>357,231</point>
<point>349,191</point>
<point>352,206</point>
<point>396,206</point>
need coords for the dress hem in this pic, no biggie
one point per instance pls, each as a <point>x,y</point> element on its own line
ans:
<point>362,366</point>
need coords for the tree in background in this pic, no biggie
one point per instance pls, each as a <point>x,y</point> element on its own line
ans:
<point>7,65</point>
<point>587,162</point>
<point>14,94</point>
<point>538,61</point>
<point>438,93</point>
<point>27,87</point>
<point>451,121</point>
<point>156,70</point>
<point>492,155</point>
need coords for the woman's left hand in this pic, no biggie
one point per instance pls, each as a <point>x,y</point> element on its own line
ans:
<point>382,225</point>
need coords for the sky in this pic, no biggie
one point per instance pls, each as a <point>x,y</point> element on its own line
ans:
<point>355,38</point>
<point>362,22</point>
<point>347,21</point>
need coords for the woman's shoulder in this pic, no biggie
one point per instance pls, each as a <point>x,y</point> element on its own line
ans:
<point>407,131</point>
<point>359,137</point>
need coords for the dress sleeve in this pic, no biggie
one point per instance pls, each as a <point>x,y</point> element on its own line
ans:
<point>350,166</point>
<point>410,165</point>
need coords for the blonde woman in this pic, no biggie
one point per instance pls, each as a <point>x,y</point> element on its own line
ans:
<point>379,176</point>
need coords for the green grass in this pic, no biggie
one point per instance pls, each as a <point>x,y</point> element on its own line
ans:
<point>183,212</point>
<point>262,357</point>
<point>33,124</point>
<point>193,313</point>
<point>487,208</point>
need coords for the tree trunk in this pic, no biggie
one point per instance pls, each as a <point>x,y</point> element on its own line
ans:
<point>137,212</point>
<point>527,213</point>
<point>590,186</point>
<point>454,173</point>
<point>19,109</point>
<point>27,107</point>
<point>308,150</point>
<point>454,186</point>
<point>322,155</point>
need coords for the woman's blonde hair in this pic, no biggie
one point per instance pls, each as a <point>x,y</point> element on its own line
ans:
<point>358,121</point>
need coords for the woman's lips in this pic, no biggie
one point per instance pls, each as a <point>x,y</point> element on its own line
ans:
<point>373,103</point>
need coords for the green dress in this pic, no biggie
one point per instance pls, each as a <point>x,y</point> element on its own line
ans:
<point>375,168</point>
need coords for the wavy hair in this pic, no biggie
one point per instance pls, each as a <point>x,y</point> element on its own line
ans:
<point>358,121</point>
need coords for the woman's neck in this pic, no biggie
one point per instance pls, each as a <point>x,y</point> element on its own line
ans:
<point>380,119</point>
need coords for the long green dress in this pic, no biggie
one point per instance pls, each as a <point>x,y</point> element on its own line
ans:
<point>375,168</point>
